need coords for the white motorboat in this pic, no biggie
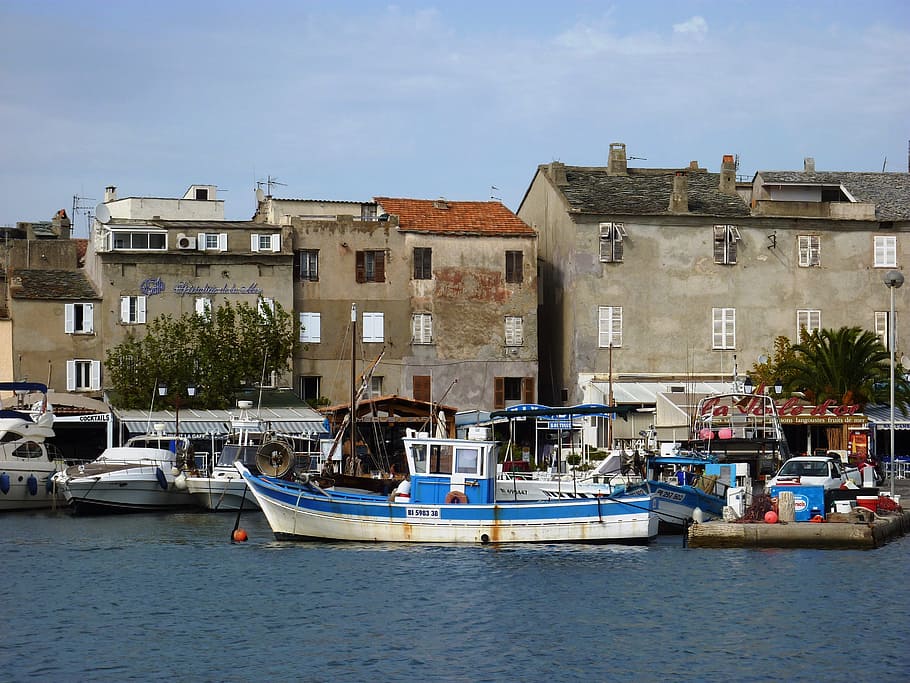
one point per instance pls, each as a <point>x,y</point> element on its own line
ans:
<point>27,462</point>
<point>603,480</point>
<point>260,450</point>
<point>143,475</point>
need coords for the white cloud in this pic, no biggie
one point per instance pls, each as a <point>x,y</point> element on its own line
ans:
<point>696,27</point>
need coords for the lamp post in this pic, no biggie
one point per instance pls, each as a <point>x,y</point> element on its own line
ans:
<point>190,392</point>
<point>893,279</point>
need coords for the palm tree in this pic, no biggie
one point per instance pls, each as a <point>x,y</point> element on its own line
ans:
<point>848,365</point>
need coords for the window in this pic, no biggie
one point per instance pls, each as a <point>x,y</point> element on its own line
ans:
<point>422,328</point>
<point>809,247</point>
<point>265,242</point>
<point>266,307</point>
<point>83,375</point>
<point>376,385</point>
<point>881,326</point>
<point>423,263</point>
<point>514,268</point>
<point>308,387</point>
<point>512,390</point>
<point>421,386</point>
<point>467,460</point>
<point>611,236</point>
<point>212,241</point>
<point>138,240</point>
<point>370,266</point>
<point>307,266</point>
<point>309,327</point>
<point>724,328</point>
<point>202,193</point>
<point>203,306</point>
<point>368,212</point>
<point>808,320</point>
<point>609,326</point>
<point>373,330</point>
<point>79,319</point>
<point>885,251</point>
<point>132,310</point>
<point>725,239</point>
<point>514,330</point>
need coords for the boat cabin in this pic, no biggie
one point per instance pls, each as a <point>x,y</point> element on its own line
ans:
<point>451,470</point>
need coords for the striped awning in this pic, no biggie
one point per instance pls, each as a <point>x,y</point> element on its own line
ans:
<point>880,417</point>
<point>199,423</point>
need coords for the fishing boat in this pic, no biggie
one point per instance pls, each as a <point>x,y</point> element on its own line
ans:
<point>260,449</point>
<point>145,474</point>
<point>27,462</point>
<point>449,497</point>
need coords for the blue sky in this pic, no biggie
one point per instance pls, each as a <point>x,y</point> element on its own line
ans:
<point>349,100</point>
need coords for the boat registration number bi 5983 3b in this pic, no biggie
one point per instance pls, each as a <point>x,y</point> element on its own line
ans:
<point>422,513</point>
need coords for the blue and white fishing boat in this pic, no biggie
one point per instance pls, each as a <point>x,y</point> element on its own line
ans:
<point>450,497</point>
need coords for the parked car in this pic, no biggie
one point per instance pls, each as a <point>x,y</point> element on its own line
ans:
<point>811,470</point>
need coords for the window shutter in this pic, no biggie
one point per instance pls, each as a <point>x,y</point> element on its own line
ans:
<point>254,242</point>
<point>88,318</point>
<point>124,309</point>
<point>69,322</point>
<point>360,274</point>
<point>499,393</point>
<point>222,241</point>
<point>200,241</point>
<point>95,381</point>
<point>70,375</point>
<point>140,309</point>
<point>372,327</point>
<point>380,266</point>
<point>421,385</point>
<point>527,390</point>
<point>276,242</point>
<point>617,245</point>
<point>720,244</point>
<point>731,245</point>
<point>298,258</point>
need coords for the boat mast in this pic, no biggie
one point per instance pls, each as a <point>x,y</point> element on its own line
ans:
<point>352,422</point>
<point>610,398</point>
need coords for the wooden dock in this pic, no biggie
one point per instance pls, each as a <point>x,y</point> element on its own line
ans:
<point>861,529</point>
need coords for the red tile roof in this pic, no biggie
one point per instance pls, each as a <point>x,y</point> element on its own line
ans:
<point>456,218</point>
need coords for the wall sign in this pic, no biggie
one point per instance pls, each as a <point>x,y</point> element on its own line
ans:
<point>155,285</point>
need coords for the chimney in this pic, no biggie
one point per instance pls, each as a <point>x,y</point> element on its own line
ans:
<point>809,165</point>
<point>728,175</point>
<point>679,198</point>
<point>617,162</point>
<point>61,225</point>
<point>110,194</point>
<point>557,171</point>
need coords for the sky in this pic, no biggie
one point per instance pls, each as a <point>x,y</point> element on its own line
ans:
<point>463,99</point>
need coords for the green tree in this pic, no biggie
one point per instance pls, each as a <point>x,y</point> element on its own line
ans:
<point>776,369</point>
<point>231,346</point>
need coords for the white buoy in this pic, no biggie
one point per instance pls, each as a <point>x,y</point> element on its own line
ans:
<point>180,481</point>
<point>698,515</point>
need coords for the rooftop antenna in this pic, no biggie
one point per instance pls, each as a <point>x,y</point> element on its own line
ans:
<point>493,189</point>
<point>80,206</point>
<point>639,158</point>
<point>884,163</point>
<point>269,182</point>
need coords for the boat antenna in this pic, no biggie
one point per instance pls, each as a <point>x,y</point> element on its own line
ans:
<point>265,359</point>
<point>148,426</point>
<point>352,422</point>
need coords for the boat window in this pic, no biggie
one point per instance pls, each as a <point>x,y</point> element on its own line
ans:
<point>419,453</point>
<point>466,460</point>
<point>29,449</point>
<point>441,459</point>
<point>10,436</point>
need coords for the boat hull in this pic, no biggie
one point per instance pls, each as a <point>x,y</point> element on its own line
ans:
<point>221,493</point>
<point>675,505</point>
<point>301,512</point>
<point>28,485</point>
<point>137,489</point>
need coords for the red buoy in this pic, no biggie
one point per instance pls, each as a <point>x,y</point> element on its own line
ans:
<point>770,517</point>
<point>239,536</point>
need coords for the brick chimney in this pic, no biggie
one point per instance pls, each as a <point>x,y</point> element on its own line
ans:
<point>61,225</point>
<point>679,197</point>
<point>809,165</point>
<point>557,171</point>
<point>728,175</point>
<point>616,165</point>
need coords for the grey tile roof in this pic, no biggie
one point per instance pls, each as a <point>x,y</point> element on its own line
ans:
<point>890,192</point>
<point>591,190</point>
<point>51,285</point>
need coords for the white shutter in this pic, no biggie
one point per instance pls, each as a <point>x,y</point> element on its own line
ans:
<point>276,242</point>
<point>69,323</point>
<point>222,241</point>
<point>254,242</point>
<point>88,318</point>
<point>310,327</point>
<point>70,375</point>
<point>140,309</point>
<point>124,309</point>
<point>203,306</point>
<point>200,241</point>
<point>373,327</point>
<point>95,375</point>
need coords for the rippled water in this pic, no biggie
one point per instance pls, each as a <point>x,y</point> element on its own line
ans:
<point>169,597</point>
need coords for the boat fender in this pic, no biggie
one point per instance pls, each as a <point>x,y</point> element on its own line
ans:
<point>4,482</point>
<point>32,484</point>
<point>456,497</point>
<point>180,481</point>
<point>49,483</point>
<point>160,476</point>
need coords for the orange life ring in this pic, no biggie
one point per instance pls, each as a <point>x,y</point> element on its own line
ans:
<point>456,497</point>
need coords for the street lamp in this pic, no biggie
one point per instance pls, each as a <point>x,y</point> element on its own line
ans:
<point>190,392</point>
<point>893,279</point>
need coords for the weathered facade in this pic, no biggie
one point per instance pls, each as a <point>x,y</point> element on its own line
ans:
<point>681,275</point>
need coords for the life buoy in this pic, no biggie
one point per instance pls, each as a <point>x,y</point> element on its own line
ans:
<point>456,497</point>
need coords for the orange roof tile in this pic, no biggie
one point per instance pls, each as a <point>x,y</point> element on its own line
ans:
<point>443,216</point>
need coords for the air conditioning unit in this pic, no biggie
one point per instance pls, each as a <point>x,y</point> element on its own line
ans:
<point>185,242</point>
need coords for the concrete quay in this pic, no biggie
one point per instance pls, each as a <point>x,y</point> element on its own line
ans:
<point>860,529</point>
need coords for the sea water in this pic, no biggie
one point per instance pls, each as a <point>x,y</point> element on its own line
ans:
<point>169,597</point>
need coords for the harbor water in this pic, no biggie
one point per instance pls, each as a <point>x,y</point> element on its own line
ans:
<point>169,597</point>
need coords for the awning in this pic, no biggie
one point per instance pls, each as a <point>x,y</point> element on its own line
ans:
<point>187,427</point>
<point>880,417</point>
<point>199,423</point>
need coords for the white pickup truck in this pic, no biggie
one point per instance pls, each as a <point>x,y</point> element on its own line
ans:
<point>816,470</point>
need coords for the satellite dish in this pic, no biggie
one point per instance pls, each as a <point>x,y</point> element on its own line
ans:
<point>102,213</point>
<point>260,195</point>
